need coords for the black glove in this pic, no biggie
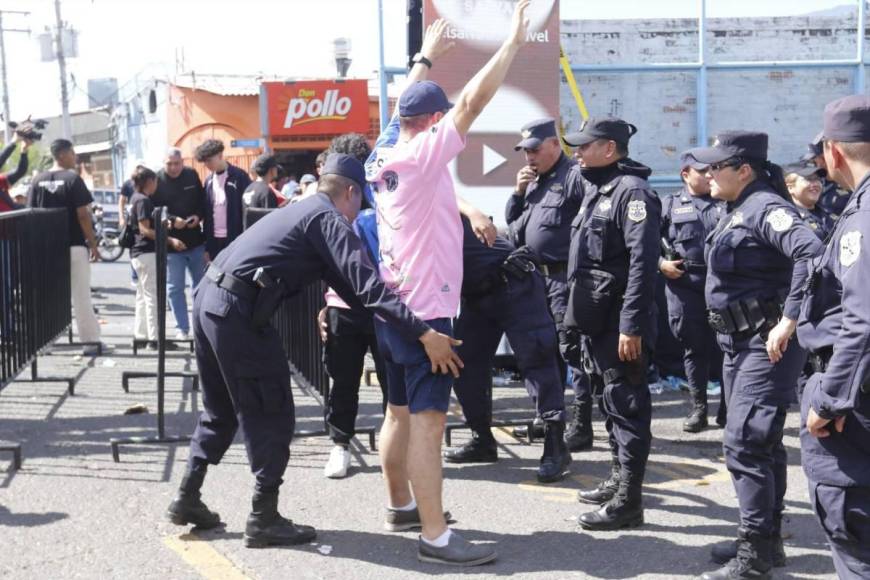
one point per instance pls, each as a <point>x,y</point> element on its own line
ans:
<point>521,262</point>
<point>569,347</point>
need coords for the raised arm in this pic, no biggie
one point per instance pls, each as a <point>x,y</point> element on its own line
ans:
<point>434,45</point>
<point>482,87</point>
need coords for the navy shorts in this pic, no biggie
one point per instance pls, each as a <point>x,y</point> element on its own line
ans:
<point>410,381</point>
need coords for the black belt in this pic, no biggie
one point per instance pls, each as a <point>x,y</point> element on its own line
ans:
<point>744,318</point>
<point>550,270</point>
<point>232,284</point>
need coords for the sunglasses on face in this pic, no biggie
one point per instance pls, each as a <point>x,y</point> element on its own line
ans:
<point>725,164</point>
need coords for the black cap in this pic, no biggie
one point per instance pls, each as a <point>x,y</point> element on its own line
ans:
<point>609,128</point>
<point>687,160</point>
<point>814,147</point>
<point>421,98</point>
<point>848,119</point>
<point>346,166</point>
<point>728,144</point>
<point>803,170</point>
<point>535,132</point>
<point>264,163</point>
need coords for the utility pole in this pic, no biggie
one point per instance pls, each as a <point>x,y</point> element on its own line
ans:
<point>61,63</point>
<point>3,76</point>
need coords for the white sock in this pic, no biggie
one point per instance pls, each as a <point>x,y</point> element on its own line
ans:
<point>439,542</point>
<point>407,508</point>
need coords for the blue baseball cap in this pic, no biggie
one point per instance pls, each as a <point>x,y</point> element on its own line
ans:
<point>423,97</point>
<point>346,166</point>
<point>535,132</point>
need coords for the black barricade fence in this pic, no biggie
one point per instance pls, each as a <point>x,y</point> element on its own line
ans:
<point>34,285</point>
<point>296,323</point>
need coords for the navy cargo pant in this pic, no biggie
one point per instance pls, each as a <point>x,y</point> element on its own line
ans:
<point>627,407</point>
<point>558,289</point>
<point>758,394</point>
<point>245,384</point>
<point>687,315</point>
<point>519,310</point>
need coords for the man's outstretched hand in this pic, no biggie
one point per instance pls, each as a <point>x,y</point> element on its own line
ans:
<point>439,349</point>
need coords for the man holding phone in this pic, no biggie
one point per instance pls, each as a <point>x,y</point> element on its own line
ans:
<point>180,190</point>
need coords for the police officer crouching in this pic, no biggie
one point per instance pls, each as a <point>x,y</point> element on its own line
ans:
<point>612,268</point>
<point>756,270</point>
<point>243,368</point>
<point>503,293</point>
<point>687,218</point>
<point>834,327</point>
<point>547,196</point>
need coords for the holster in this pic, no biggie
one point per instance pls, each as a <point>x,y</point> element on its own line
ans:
<point>593,297</point>
<point>268,298</point>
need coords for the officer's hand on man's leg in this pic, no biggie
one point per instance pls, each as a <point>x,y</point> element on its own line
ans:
<point>439,349</point>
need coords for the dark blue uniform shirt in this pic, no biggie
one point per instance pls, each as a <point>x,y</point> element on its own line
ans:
<point>818,219</point>
<point>836,315</point>
<point>833,198</point>
<point>759,250</point>
<point>480,263</point>
<point>310,240</point>
<point>617,230</point>
<point>542,218</point>
<point>687,220</point>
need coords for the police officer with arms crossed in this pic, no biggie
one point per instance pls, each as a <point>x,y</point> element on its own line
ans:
<point>244,374</point>
<point>503,293</point>
<point>612,267</point>
<point>687,218</point>
<point>835,327</point>
<point>756,270</point>
<point>547,197</point>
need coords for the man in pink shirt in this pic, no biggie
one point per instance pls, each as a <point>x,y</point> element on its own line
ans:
<point>420,237</point>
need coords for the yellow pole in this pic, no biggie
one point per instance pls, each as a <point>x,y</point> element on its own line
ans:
<point>575,90</point>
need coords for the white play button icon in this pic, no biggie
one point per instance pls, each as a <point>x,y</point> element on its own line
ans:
<point>491,160</point>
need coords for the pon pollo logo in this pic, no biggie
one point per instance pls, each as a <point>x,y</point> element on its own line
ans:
<point>306,107</point>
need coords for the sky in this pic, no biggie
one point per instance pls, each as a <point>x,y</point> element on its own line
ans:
<point>292,38</point>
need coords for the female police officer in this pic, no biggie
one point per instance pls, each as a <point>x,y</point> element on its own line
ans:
<point>756,260</point>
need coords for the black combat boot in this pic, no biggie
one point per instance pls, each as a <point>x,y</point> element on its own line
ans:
<point>752,560</point>
<point>522,432</point>
<point>697,419</point>
<point>266,527</point>
<point>481,449</point>
<point>624,510</point>
<point>725,552</point>
<point>187,507</point>
<point>579,436</point>
<point>605,490</point>
<point>556,458</point>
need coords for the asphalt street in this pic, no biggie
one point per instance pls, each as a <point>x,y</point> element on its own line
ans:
<point>72,512</point>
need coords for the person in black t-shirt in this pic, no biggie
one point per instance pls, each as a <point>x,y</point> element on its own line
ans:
<point>259,193</point>
<point>181,191</point>
<point>60,186</point>
<point>144,257</point>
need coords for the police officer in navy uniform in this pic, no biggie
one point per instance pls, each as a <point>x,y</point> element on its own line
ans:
<point>242,365</point>
<point>613,265</point>
<point>688,217</point>
<point>756,270</point>
<point>804,184</point>
<point>548,195</point>
<point>503,293</point>
<point>834,327</point>
<point>834,197</point>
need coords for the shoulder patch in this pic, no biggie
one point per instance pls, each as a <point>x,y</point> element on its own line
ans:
<point>637,210</point>
<point>850,248</point>
<point>779,220</point>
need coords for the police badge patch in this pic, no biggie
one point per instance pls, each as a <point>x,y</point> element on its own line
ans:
<point>850,248</point>
<point>637,210</point>
<point>605,205</point>
<point>779,220</point>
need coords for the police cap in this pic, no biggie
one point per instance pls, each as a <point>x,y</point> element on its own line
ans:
<point>346,166</point>
<point>535,133</point>
<point>421,98</point>
<point>814,147</point>
<point>609,128</point>
<point>687,160</point>
<point>746,144</point>
<point>804,170</point>
<point>848,119</point>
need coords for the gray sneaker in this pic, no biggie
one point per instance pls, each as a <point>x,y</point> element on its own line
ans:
<point>457,552</point>
<point>403,520</point>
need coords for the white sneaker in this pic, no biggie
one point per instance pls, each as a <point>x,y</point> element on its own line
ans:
<point>181,335</point>
<point>339,461</point>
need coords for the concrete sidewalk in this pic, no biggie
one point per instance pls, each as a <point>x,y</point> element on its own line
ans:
<point>72,512</point>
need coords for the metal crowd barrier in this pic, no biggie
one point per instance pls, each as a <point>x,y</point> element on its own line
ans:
<point>159,218</point>
<point>34,294</point>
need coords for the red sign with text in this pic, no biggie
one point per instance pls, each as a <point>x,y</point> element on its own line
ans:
<point>317,107</point>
